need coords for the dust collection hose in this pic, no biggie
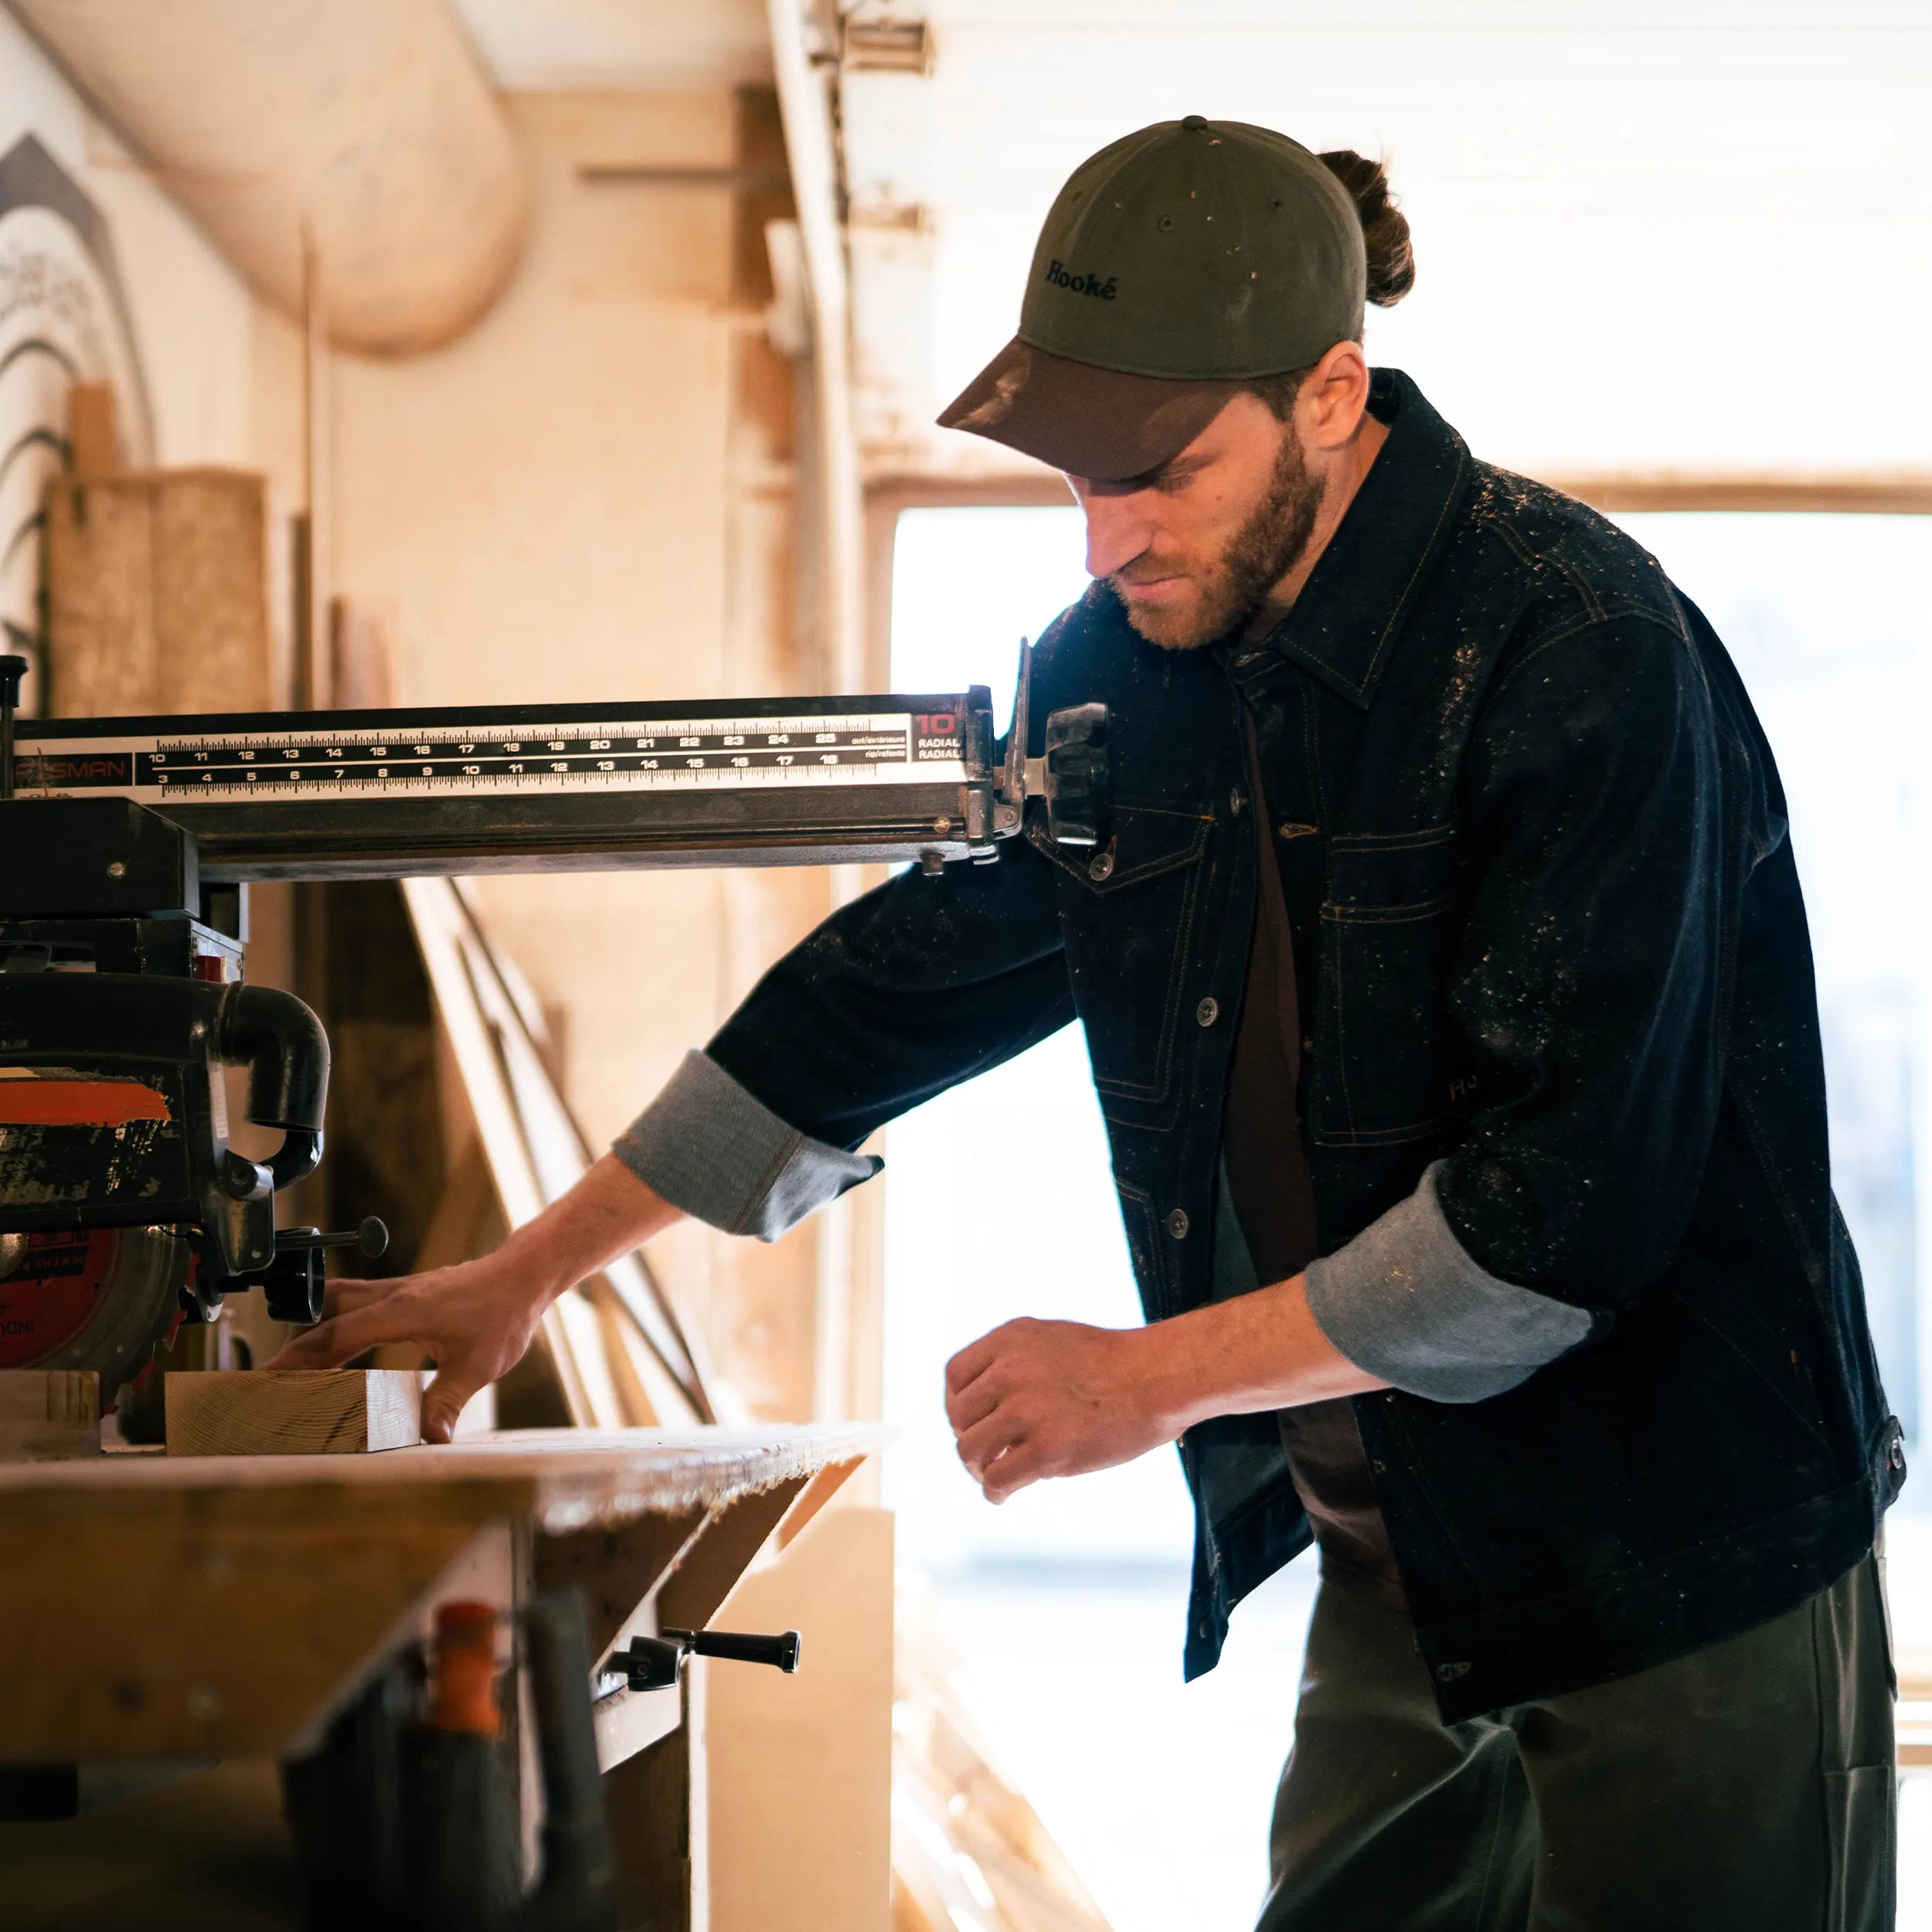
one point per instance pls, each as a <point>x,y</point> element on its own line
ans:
<point>282,1044</point>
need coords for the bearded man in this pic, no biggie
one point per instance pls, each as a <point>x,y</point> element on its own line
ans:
<point>1447,987</point>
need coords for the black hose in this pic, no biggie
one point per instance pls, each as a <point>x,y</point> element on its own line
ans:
<point>282,1044</point>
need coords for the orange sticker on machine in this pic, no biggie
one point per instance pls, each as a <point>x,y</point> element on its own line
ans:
<point>79,1103</point>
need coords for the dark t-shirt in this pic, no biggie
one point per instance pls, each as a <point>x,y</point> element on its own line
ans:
<point>1273,1193</point>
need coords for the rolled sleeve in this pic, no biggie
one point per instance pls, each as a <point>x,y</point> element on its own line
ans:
<point>715,1151</point>
<point>1405,1301</point>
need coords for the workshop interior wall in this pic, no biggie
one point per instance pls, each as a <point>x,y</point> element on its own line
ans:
<point>190,315</point>
<point>590,495</point>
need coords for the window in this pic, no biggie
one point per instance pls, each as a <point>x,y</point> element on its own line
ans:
<point>1068,1602</point>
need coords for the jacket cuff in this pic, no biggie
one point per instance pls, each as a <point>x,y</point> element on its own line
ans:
<point>1405,1301</point>
<point>713,1149</point>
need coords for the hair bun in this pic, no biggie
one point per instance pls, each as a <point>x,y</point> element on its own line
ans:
<point>1385,232</point>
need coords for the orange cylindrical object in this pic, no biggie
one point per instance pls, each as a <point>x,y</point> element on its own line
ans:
<point>463,1670</point>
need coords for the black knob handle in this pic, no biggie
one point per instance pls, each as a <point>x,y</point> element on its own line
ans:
<point>1078,776</point>
<point>12,669</point>
<point>781,1652</point>
<point>653,1663</point>
<point>292,1285</point>
<point>372,1237</point>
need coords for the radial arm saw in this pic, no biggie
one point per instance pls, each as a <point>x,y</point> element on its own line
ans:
<point>127,846</point>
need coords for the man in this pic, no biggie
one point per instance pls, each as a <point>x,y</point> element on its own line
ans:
<point>1447,986</point>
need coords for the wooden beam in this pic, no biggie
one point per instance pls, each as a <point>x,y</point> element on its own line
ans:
<point>811,152</point>
<point>721,1552</point>
<point>293,1412</point>
<point>615,1568</point>
<point>48,1415</point>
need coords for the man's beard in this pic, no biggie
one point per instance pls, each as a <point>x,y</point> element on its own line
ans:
<point>1266,548</point>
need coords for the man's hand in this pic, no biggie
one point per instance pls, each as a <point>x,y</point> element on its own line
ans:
<point>1038,1399</point>
<point>475,1320</point>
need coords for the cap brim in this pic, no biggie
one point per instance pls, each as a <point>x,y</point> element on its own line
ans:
<point>1088,421</point>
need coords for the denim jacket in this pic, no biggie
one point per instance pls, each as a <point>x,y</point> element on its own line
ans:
<point>1563,1094</point>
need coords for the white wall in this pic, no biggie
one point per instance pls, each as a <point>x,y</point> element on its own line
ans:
<point>191,312</point>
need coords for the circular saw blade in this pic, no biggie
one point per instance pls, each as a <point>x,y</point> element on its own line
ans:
<point>89,1299</point>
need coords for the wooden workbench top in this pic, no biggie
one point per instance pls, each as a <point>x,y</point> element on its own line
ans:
<point>198,1608</point>
<point>559,1479</point>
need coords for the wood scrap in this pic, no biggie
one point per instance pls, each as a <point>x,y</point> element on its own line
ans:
<point>968,1850</point>
<point>48,1415</point>
<point>162,589</point>
<point>291,1412</point>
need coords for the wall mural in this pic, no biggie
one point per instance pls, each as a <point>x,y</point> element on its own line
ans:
<point>63,319</point>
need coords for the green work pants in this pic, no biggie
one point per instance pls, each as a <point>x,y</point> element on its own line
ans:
<point>1750,1785</point>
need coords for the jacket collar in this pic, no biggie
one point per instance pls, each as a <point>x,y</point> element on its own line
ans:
<point>1344,626</point>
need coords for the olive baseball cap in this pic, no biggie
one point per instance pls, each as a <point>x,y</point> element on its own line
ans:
<point>1175,264</point>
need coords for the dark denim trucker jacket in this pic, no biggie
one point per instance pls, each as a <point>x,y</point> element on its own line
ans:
<point>1557,986</point>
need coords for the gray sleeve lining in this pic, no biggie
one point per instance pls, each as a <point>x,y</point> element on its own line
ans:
<point>1405,1301</point>
<point>715,1151</point>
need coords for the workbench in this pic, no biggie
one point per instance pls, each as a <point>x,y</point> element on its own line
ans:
<point>182,1623</point>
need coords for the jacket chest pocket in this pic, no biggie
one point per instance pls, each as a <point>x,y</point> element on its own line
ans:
<point>1128,916</point>
<point>1384,1071</point>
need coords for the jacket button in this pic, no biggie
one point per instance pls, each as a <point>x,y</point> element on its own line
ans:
<point>1100,865</point>
<point>1237,802</point>
<point>1178,1224</point>
<point>1208,1012</point>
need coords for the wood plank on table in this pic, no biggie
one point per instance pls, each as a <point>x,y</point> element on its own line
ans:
<point>293,1412</point>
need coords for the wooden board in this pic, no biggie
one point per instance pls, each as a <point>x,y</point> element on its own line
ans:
<point>48,1415</point>
<point>293,1411</point>
<point>800,1768</point>
<point>162,593</point>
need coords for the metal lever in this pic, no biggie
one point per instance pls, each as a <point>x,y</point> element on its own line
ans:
<point>372,1237</point>
<point>654,1663</point>
<point>12,669</point>
<point>1072,777</point>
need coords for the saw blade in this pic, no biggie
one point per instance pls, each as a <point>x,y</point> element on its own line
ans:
<point>89,1299</point>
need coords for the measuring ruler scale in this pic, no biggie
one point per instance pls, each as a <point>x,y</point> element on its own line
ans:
<point>373,794</point>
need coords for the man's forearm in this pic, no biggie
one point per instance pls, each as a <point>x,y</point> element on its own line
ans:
<point>1038,1399</point>
<point>607,1213</point>
<point>1252,1353</point>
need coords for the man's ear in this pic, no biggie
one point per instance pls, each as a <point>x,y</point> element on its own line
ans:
<point>1329,408</point>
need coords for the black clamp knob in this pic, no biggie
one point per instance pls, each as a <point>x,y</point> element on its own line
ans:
<point>655,1663</point>
<point>292,1283</point>
<point>1077,775</point>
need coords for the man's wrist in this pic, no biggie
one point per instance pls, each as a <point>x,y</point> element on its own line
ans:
<point>530,1262</point>
<point>1179,1378</point>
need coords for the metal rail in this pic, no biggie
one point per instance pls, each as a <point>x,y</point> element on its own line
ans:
<point>376,794</point>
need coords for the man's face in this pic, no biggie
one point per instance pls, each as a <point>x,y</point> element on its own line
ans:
<point>1192,549</point>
